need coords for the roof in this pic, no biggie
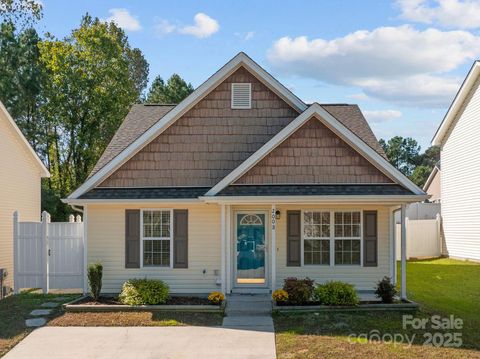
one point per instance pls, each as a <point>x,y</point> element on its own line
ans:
<point>36,159</point>
<point>461,96</point>
<point>145,193</point>
<point>319,112</point>
<point>143,116</point>
<point>144,123</point>
<point>140,118</point>
<point>314,190</point>
<point>352,117</point>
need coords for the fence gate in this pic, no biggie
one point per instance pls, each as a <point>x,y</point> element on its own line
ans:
<point>48,255</point>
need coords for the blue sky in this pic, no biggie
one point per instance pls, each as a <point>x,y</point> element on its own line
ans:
<point>401,61</point>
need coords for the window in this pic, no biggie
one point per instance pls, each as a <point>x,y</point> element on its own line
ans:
<point>156,237</point>
<point>241,95</point>
<point>316,235</point>
<point>347,232</point>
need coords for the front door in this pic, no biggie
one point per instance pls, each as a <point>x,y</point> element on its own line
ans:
<point>250,243</point>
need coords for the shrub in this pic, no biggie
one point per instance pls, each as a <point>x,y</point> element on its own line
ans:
<point>336,293</point>
<point>386,290</point>
<point>216,297</point>
<point>144,292</point>
<point>299,290</point>
<point>280,296</point>
<point>95,273</point>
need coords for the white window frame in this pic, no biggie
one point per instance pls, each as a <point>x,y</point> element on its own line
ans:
<point>143,238</point>
<point>348,238</point>
<point>231,95</point>
<point>332,237</point>
<point>329,239</point>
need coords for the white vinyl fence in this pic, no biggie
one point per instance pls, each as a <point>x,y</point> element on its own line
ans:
<point>48,255</point>
<point>423,238</point>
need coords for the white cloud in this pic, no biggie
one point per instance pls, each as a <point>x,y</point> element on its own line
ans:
<point>124,19</point>
<point>359,96</point>
<point>204,26</point>
<point>377,116</point>
<point>399,64</point>
<point>450,13</point>
<point>245,36</point>
<point>163,27</point>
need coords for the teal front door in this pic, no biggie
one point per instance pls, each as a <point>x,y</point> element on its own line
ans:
<point>250,243</point>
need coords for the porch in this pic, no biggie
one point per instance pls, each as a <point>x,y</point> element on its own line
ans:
<point>258,260</point>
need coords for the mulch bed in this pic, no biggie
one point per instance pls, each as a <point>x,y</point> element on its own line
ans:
<point>306,304</point>
<point>174,300</point>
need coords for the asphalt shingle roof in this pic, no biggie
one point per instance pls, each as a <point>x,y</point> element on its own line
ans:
<point>314,190</point>
<point>145,193</point>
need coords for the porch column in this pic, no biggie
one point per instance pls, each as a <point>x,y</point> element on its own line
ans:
<point>274,245</point>
<point>229,251</point>
<point>403,293</point>
<point>222,247</point>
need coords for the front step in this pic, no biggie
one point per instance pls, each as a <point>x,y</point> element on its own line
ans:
<point>250,291</point>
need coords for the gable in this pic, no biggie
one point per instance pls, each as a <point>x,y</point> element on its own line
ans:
<point>208,141</point>
<point>15,142</point>
<point>313,154</point>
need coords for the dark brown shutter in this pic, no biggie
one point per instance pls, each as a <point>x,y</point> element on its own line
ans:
<point>180,238</point>
<point>370,239</point>
<point>293,239</point>
<point>132,238</point>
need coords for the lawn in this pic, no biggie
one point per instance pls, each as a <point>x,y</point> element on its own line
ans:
<point>441,286</point>
<point>13,312</point>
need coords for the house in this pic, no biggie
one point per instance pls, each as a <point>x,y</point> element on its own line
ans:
<point>240,186</point>
<point>432,185</point>
<point>458,136</point>
<point>21,172</point>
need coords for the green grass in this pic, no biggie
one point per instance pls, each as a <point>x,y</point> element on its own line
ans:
<point>447,286</point>
<point>13,312</point>
<point>440,286</point>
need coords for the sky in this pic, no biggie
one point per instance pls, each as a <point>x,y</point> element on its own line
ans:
<point>401,61</point>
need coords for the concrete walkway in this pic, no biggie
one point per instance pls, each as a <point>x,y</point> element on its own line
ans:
<point>249,312</point>
<point>144,342</point>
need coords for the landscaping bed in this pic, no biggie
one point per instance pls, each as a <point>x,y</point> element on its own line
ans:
<point>173,303</point>
<point>362,306</point>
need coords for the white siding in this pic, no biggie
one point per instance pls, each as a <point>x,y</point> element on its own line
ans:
<point>19,189</point>
<point>460,181</point>
<point>363,278</point>
<point>106,243</point>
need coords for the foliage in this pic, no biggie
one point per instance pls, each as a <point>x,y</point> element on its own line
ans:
<point>95,273</point>
<point>336,293</point>
<point>386,290</point>
<point>22,12</point>
<point>280,296</point>
<point>144,292</point>
<point>216,297</point>
<point>404,154</point>
<point>94,77</point>
<point>299,291</point>
<point>174,91</point>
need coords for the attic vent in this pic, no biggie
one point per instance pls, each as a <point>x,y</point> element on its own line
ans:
<point>241,95</point>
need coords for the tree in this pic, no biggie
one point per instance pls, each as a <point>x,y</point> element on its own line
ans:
<point>173,92</point>
<point>420,175</point>
<point>94,77</point>
<point>22,12</point>
<point>403,153</point>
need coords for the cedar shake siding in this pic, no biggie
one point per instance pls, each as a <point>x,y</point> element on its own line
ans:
<point>313,154</point>
<point>209,141</point>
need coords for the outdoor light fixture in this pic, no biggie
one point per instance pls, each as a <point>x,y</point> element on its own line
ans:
<point>277,214</point>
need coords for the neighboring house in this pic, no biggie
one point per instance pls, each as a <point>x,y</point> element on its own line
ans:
<point>21,172</point>
<point>458,137</point>
<point>240,186</point>
<point>432,186</point>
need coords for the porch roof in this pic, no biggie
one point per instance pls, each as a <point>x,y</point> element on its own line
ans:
<point>315,190</point>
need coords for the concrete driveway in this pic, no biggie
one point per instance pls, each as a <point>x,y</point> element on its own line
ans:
<point>144,342</point>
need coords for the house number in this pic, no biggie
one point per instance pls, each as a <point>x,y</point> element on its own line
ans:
<point>274,219</point>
